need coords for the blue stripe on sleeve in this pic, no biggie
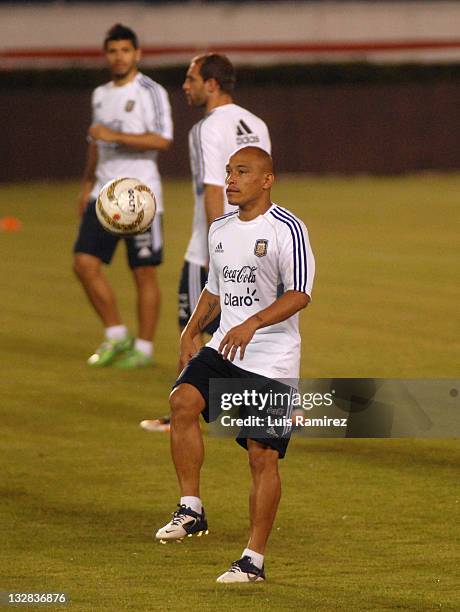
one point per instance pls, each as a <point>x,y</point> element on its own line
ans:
<point>229,214</point>
<point>303,273</point>
<point>152,88</point>
<point>199,149</point>
<point>295,250</point>
<point>198,170</point>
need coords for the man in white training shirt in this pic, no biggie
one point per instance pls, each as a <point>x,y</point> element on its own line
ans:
<point>226,126</point>
<point>261,271</point>
<point>131,123</point>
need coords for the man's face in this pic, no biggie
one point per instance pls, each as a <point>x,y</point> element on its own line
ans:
<point>194,86</point>
<point>247,178</point>
<point>122,58</point>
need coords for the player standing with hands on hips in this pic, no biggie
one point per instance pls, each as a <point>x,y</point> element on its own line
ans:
<point>257,337</point>
<point>226,126</point>
<point>131,123</point>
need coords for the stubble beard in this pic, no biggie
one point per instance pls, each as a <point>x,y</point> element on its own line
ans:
<point>119,76</point>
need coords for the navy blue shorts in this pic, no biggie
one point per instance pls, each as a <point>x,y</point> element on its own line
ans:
<point>208,364</point>
<point>192,281</point>
<point>145,249</point>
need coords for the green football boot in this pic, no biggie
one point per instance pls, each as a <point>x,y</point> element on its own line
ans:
<point>108,351</point>
<point>133,358</point>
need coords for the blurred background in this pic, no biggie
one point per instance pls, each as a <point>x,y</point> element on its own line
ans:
<point>346,87</point>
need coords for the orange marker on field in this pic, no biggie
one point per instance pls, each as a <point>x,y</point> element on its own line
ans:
<point>10,224</point>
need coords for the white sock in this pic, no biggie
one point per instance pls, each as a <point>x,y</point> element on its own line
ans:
<point>192,502</point>
<point>116,332</point>
<point>256,558</point>
<point>144,346</point>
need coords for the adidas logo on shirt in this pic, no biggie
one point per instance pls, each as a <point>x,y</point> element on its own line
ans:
<point>219,248</point>
<point>244,134</point>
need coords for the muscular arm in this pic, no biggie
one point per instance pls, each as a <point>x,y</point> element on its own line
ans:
<point>137,142</point>
<point>89,177</point>
<point>281,309</point>
<point>206,310</point>
<point>213,202</point>
<point>239,336</point>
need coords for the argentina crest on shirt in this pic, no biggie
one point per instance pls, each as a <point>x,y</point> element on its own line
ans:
<point>261,247</point>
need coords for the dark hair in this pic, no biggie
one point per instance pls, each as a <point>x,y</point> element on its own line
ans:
<point>121,32</point>
<point>219,67</point>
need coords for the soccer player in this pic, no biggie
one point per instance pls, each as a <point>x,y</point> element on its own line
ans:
<point>258,335</point>
<point>131,123</point>
<point>226,126</point>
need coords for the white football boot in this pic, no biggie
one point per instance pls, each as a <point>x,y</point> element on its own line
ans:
<point>243,570</point>
<point>185,522</point>
<point>162,424</point>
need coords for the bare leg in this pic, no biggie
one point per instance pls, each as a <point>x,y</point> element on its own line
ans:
<point>187,447</point>
<point>89,271</point>
<point>265,494</point>
<point>148,301</point>
<point>162,423</point>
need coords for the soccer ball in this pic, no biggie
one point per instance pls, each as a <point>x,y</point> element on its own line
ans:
<point>125,207</point>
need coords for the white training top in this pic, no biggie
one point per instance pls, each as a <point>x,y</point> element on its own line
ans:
<point>211,142</point>
<point>252,263</point>
<point>140,106</point>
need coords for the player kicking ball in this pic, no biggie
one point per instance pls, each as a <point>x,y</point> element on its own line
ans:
<point>259,247</point>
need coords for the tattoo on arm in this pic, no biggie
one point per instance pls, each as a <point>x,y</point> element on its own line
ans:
<point>209,316</point>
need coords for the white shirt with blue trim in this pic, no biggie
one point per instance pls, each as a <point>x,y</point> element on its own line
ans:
<point>211,142</point>
<point>140,106</point>
<point>252,263</point>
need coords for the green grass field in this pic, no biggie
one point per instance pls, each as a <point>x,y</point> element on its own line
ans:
<point>363,524</point>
